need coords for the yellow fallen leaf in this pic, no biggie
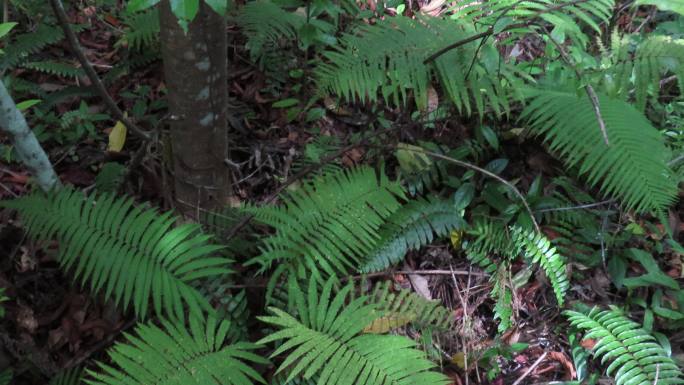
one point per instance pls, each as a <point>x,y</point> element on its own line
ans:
<point>456,238</point>
<point>117,137</point>
<point>459,359</point>
<point>387,323</point>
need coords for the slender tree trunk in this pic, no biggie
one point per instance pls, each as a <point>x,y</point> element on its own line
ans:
<point>25,143</point>
<point>195,68</point>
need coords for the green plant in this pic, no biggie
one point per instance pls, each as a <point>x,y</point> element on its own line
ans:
<point>327,340</point>
<point>3,298</point>
<point>631,167</point>
<point>175,354</point>
<point>6,377</point>
<point>155,262</point>
<point>636,358</point>
<point>68,377</point>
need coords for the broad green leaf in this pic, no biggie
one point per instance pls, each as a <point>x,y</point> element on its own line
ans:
<point>185,11</point>
<point>5,28</point>
<point>117,137</point>
<point>219,6</point>
<point>140,5</point>
<point>26,104</point>
<point>676,6</point>
<point>285,103</point>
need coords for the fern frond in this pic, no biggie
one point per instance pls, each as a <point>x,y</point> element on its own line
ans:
<point>175,354</point>
<point>416,169</point>
<point>68,377</point>
<point>409,306</point>
<point>328,224</point>
<point>488,238</point>
<point>387,59</point>
<point>142,29</point>
<point>636,358</point>
<point>410,228</point>
<point>3,298</point>
<point>133,255</point>
<point>326,340</point>
<point>640,71</point>
<point>265,24</point>
<point>65,70</point>
<point>538,249</point>
<point>29,43</point>
<point>632,167</point>
<point>503,297</point>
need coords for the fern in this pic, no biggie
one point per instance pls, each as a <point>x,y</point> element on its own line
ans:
<point>29,43</point>
<point>142,29</point>
<point>538,249</point>
<point>64,70</point>
<point>410,228</point>
<point>503,297</point>
<point>68,377</point>
<point>3,298</point>
<point>632,167</point>
<point>636,358</point>
<point>328,224</point>
<point>488,238</point>
<point>328,342</point>
<point>134,255</point>
<point>406,307</point>
<point>265,24</point>
<point>387,59</point>
<point>640,71</point>
<point>178,355</point>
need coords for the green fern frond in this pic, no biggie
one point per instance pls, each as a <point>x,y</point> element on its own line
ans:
<point>503,297</point>
<point>416,169</point>
<point>386,59</point>
<point>6,377</point>
<point>175,354</point>
<point>632,167</point>
<point>488,238</point>
<point>538,249</point>
<point>281,379</point>
<point>265,24</point>
<point>29,43</point>
<point>327,340</point>
<point>142,29</point>
<point>134,255</point>
<point>640,71</point>
<point>65,70</point>
<point>636,358</point>
<point>410,228</point>
<point>3,298</point>
<point>68,377</point>
<point>417,310</point>
<point>328,224</point>
<point>231,307</point>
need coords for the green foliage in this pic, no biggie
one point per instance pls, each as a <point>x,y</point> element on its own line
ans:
<point>328,224</point>
<point>6,377</point>
<point>155,262</point>
<point>65,70</point>
<point>410,228</point>
<point>327,341</point>
<point>387,58</point>
<point>110,176</point>
<point>503,296</point>
<point>488,238</point>
<point>537,249</point>
<point>3,298</point>
<point>640,71</point>
<point>266,24</point>
<point>142,30</point>
<point>175,354</point>
<point>418,311</point>
<point>636,358</point>
<point>632,167</point>
<point>68,377</point>
<point>23,45</point>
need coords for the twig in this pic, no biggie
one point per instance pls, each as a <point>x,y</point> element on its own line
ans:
<point>58,8</point>
<point>578,207</point>
<point>482,171</point>
<point>593,98</point>
<point>531,368</point>
<point>490,30</point>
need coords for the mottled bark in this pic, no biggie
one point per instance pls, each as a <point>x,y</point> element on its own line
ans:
<point>195,68</point>
<point>25,143</point>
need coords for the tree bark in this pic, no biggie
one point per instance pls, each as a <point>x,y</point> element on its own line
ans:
<point>196,71</point>
<point>28,149</point>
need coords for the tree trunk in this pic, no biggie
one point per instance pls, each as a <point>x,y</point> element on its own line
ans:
<point>196,71</point>
<point>25,143</point>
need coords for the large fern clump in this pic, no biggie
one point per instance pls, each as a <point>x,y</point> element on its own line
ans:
<point>387,59</point>
<point>411,227</point>
<point>636,358</point>
<point>176,355</point>
<point>266,24</point>
<point>632,167</point>
<point>325,339</point>
<point>134,255</point>
<point>328,224</point>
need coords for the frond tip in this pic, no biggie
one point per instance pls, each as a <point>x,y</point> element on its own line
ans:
<point>134,255</point>
<point>175,354</point>
<point>327,340</point>
<point>636,358</point>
